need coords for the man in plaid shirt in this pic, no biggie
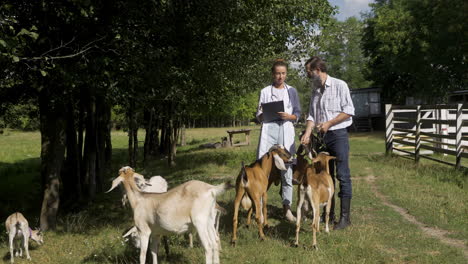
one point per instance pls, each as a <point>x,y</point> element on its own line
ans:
<point>330,113</point>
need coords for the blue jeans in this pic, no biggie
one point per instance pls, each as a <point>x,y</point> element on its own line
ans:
<point>337,143</point>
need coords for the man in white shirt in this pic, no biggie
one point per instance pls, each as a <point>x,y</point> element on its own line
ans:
<point>330,113</point>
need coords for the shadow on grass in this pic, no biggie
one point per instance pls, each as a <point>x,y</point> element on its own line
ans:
<point>283,230</point>
<point>21,189</point>
<point>32,248</point>
<point>130,255</point>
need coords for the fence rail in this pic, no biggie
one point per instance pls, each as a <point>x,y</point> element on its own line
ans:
<point>427,129</point>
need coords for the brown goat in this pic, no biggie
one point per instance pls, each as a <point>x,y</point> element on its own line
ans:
<point>315,181</point>
<point>252,184</point>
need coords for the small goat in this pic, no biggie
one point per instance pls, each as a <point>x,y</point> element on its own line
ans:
<point>18,230</point>
<point>315,181</point>
<point>191,204</point>
<point>253,183</point>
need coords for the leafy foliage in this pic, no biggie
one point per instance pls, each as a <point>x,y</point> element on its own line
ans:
<point>340,45</point>
<point>417,47</point>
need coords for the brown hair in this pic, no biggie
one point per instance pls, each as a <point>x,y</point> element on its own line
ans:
<point>316,63</point>
<point>279,62</point>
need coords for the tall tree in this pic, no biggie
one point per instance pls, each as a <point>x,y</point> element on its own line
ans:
<point>340,45</point>
<point>417,48</point>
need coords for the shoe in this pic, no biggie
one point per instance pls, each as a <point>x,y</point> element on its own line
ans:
<point>344,214</point>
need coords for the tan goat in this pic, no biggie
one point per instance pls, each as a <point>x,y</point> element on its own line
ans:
<point>315,182</point>
<point>253,183</point>
<point>189,205</point>
<point>17,228</point>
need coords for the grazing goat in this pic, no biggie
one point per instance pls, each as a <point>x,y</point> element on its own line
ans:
<point>191,204</point>
<point>315,182</point>
<point>253,183</point>
<point>17,228</point>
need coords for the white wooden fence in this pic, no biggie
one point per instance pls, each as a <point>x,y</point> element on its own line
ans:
<point>421,130</point>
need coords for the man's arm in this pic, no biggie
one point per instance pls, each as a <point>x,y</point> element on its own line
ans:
<point>323,127</point>
<point>306,137</point>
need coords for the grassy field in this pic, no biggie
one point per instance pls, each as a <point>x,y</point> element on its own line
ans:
<point>434,194</point>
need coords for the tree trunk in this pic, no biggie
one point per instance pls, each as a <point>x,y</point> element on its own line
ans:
<point>173,132</point>
<point>183,139</point>
<point>71,177</point>
<point>132,135</point>
<point>148,117</point>
<point>108,139</point>
<point>81,125</point>
<point>90,154</point>
<point>102,127</point>
<point>53,140</point>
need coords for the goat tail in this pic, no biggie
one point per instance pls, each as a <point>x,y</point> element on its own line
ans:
<point>219,189</point>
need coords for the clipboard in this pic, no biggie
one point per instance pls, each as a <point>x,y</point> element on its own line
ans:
<point>270,111</point>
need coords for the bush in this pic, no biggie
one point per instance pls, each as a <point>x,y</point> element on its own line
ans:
<point>22,117</point>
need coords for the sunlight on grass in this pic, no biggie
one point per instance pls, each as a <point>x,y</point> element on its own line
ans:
<point>435,194</point>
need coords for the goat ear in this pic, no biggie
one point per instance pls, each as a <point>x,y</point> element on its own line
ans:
<point>115,183</point>
<point>279,162</point>
<point>130,231</point>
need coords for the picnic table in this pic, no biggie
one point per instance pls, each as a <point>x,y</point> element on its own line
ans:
<point>240,131</point>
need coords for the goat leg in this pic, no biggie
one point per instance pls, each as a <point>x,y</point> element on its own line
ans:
<point>264,204</point>
<point>258,215</point>
<point>301,194</point>
<point>239,194</point>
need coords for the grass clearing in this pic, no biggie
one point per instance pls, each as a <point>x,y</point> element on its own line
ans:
<point>435,194</point>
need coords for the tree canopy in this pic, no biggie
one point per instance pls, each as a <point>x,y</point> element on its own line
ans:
<point>418,47</point>
<point>163,63</point>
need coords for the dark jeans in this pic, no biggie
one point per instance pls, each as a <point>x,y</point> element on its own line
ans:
<point>337,144</point>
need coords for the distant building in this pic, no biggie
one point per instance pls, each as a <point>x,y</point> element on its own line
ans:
<point>369,114</point>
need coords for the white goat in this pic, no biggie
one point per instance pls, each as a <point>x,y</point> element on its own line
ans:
<point>17,228</point>
<point>191,204</point>
<point>158,184</point>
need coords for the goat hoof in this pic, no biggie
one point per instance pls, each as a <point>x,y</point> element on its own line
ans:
<point>296,245</point>
<point>315,247</point>
<point>233,243</point>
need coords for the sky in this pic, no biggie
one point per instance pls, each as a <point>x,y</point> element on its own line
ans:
<point>348,8</point>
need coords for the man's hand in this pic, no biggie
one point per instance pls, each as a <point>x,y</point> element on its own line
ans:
<point>285,116</point>
<point>305,138</point>
<point>323,127</point>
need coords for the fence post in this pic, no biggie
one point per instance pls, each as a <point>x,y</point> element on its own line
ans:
<point>388,129</point>
<point>417,138</point>
<point>458,135</point>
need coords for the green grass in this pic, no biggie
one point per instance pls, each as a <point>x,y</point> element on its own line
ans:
<point>435,194</point>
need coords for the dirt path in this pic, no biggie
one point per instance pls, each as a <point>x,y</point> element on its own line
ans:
<point>440,234</point>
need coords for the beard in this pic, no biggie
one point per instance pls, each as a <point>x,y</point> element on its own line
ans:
<point>315,81</point>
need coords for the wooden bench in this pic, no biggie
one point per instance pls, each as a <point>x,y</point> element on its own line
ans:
<point>241,131</point>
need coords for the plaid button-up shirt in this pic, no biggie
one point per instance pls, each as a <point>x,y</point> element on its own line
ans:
<point>335,99</point>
